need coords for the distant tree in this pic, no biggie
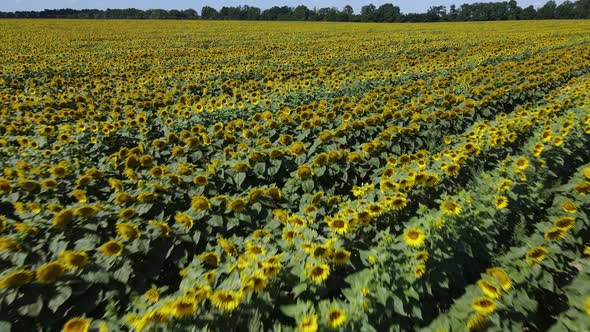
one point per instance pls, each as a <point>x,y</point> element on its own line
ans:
<point>528,13</point>
<point>453,13</point>
<point>548,10</point>
<point>348,13</point>
<point>209,13</point>
<point>386,13</point>
<point>368,13</point>
<point>190,14</point>
<point>301,13</point>
<point>276,13</point>
<point>437,13</point>
<point>567,10</point>
<point>582,8</point>
<point>513,10</point>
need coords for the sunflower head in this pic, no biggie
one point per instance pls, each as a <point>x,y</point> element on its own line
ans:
<point>77,324</point>
<point>489,289</point>
<point>112,248</point>
<point>17,279</point>
<point>308,323</point>
<point>414,236</point>
<point>127,231</point>
<point>483,305</point>
<point>50,272</point>
<point>336,317</point>
<point>449,207</point>
<point>536,255</point>
<point>184,219</point>
<point>226,300</point>
<point>73,259</point>
<point>317,273</point>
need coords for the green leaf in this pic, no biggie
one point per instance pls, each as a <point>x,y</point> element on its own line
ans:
<point>239,179</point>
<point>33,309</point>
<point>290,310</point>
<point>307,185</point>
<point>297,290</point>
<point>63,294</point>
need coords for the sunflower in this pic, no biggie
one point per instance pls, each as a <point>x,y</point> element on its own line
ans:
<point>501,276</point>
<point>452,169</point>
<point>521,163</point>
<point>50,272</point>
<point>200,203</point>
<point>238,205</point>
<point>555,233</point>
<point>320,251</point>
<point>336,317</point>
<point>422,255</point>
<point>536,255</point>
<point>504,185</point>
<point>565,223</point>
<point>414,237</point>
<point>228,247</point>
<point>241,167</point>
<point>489,289</point>
<point>199,292</point>
<point>450,207</point>
<point>17,279</point>
<point>127,213</point>
<point>184,219</point>
<point>45,184</point>
<point>569,207</point>
<point>73,259</point>
<point>398,203</point>
<point>309,323</point>
<point>226,300</point>
<point>157,172</point>
<point>501,202</point>
<point>297,148</point>
<point>28,185</point>
<point>257,280</point>
<point>476,322</point>
<point>86,211</point>
<point>112,248</point>
<point>420,270</point>
<point>483,305</point>
<point>210,258</point>
<point>375,209</point>
<point>127,231</point>
<point>162,226</point>
<point>304,171</point>
<point>338,225</point>
<point>77,324</point>
<point>583,188</point>
<point>84,181</point>
<point>7,244</point>
<point>181,308</point>
<point>274,192</point>
<point>340,256</point>
<point>152,295</point>
<point>317,198</point>
<point>318,273</point>
<point>253,250</point>
<point>289,235</point>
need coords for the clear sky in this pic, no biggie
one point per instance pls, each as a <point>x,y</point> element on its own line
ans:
<point>406,6</point>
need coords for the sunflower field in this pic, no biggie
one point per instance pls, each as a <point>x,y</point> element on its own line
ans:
<point>210,176</point>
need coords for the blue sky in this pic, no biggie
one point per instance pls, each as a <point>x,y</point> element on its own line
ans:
<point>405,5</point>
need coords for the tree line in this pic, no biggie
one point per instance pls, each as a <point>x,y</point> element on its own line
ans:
<point>481,11</point>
